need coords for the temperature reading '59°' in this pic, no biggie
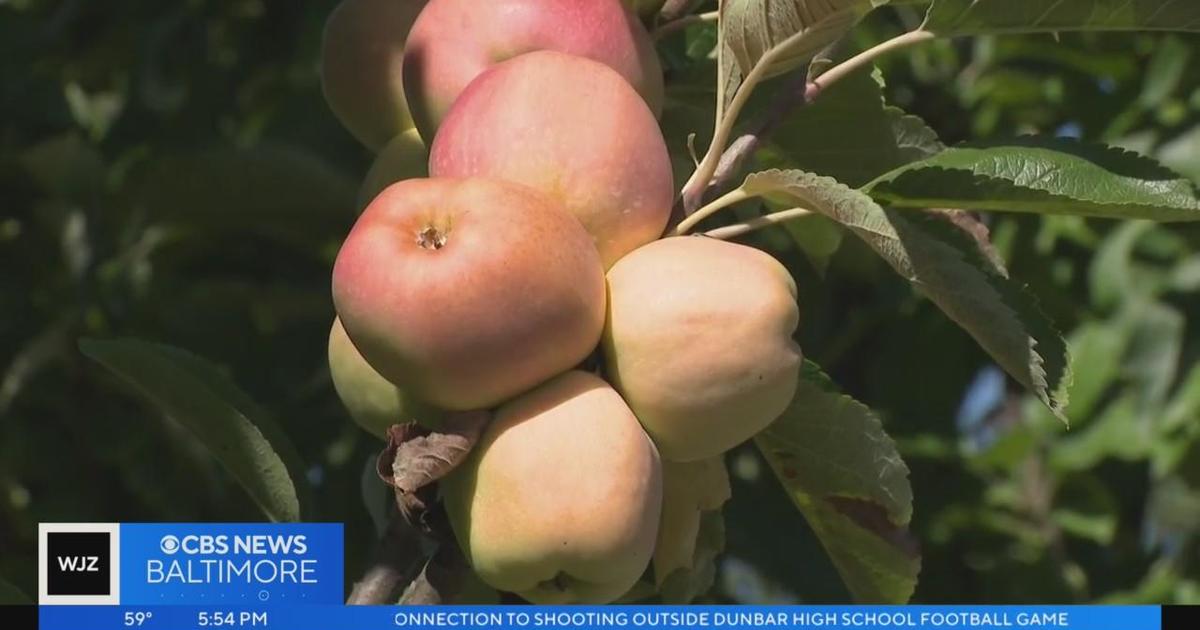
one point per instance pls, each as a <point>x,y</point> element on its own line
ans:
<point>137,618</point>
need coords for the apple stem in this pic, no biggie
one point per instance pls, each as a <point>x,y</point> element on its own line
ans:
<point>757,223</point>
<point>396,560</point>
<point>867,57</point>
<point>431,238</point>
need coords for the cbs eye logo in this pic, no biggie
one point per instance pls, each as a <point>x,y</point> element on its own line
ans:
<point>169,544</point>
<point>78,563</point>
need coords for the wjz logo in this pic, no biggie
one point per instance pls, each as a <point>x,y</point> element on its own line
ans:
<point>79,563</point>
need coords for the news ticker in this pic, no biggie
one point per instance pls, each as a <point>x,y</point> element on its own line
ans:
<point>184,576</point>
<point>339,617</point>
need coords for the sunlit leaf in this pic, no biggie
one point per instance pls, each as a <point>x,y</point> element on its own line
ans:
<point>975,17</point>
<point>948,265</point>
<point>1043,176</point>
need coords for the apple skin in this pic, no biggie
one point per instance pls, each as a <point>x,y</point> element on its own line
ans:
<point>699,342</point>
<point>453,41</point>
<point>467,292</point>
<point>571,128</point>
<point>405,157</point>
<point>362,52</point>
<point>372,401</point>
<point>560,499</point>
<point>689,490</point>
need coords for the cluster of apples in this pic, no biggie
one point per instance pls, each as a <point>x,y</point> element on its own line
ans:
<point>533,245</point>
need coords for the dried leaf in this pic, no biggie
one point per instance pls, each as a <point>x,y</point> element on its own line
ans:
<point>416,458</point>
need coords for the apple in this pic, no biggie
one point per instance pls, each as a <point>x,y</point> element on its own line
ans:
<point>689,490</point>
<point>559,501</point>
<point>467,292</point>
<point>453,41</point>
<point>362,52</point>
<point>403,158</point>
<point>569,127</point>
<point>699,342</point>
<point>373,401</point>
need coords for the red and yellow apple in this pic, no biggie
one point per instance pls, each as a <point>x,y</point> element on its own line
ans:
<point>405,157</point>
<point>569,127</point>
<point>467,292</point>
<point>373,401</point>
<point>560,500</point>
<point>699,342</point>
<point>689,490</point>
<point>453,41</point>
<point>362,54</point>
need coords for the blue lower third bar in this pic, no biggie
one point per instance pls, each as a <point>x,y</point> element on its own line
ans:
<point>308,617</point>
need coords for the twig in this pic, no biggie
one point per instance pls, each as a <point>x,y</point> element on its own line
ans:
<point>675,9</point>
<point>697,185</point>
<point>682,23</point>
<point>396,560</point>
<point>757,223</point>
<point>798,93</point>
<point>722,160</point>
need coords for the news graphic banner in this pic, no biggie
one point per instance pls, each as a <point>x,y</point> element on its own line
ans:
<point>148,564</point>
<point>188,576</point>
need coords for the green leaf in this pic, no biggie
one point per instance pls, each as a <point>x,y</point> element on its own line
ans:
<point>951,18</point>
<point>234,429</point>
<point>843,472</point>
<point>11,595</point>
<point>850,134</point>
<point>1117,433</point>
<point>1043,176</point>
<point>1182,153</point>
<point>818,237</point>
<point>1165,71</point>
<point>1153,359</point>
<point>950,266</point>
<point>1114,277</point>
<point>1098,348</point>
<point>1084,507</point>
<point>1184,406</point>
<point>784,35</point>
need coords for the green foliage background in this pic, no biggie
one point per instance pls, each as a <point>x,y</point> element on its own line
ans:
<point>169,171</point>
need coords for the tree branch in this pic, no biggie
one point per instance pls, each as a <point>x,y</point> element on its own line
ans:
<point>714,172</point>
<point>441,580</point>
<point>798,93</point>
<point>396,560</point>
<point>675,9</point>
